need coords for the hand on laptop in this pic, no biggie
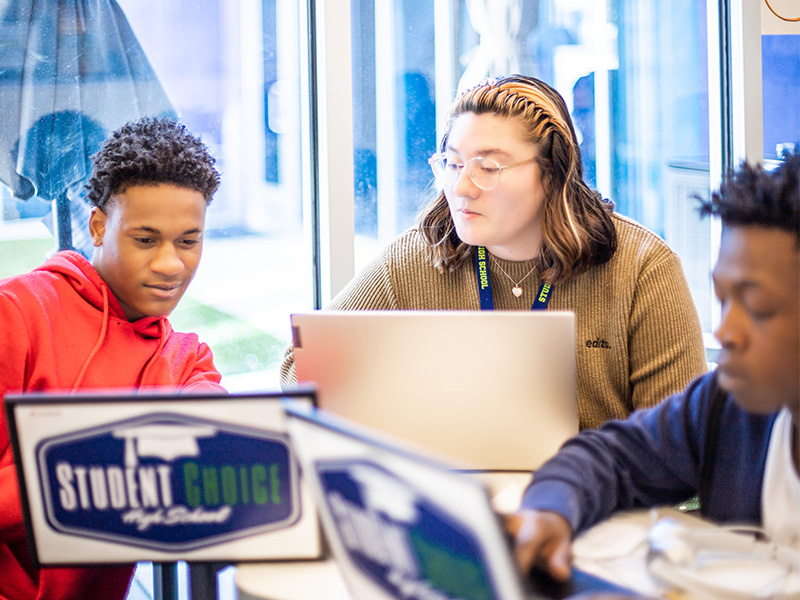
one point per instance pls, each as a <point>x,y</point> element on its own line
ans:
<point>543,540</point>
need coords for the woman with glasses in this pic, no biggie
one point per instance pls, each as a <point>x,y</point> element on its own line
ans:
<point>514,227</point>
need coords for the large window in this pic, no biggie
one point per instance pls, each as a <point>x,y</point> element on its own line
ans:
<point>633,74</point>
<point>232,73</point>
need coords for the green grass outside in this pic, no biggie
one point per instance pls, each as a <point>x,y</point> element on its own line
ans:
<point>20,256</point>
<point>238,347</point>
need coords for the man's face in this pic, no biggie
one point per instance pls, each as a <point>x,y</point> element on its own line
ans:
<point>757,281</point>
<point>148,244</point>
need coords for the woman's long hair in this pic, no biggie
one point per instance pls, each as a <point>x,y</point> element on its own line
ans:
<point>577,228</point>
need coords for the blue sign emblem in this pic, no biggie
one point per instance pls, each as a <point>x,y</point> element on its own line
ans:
<point>400,539</point>
<point>169,482</point>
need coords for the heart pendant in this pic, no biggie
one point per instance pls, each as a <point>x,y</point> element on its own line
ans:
<point>517,291</point>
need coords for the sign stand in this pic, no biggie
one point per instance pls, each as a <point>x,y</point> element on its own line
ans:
<point>165,581</point>
<point>203,580</point>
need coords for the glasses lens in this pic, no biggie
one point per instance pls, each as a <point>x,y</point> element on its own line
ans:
<point>445,169</point>
<point>484,172</point>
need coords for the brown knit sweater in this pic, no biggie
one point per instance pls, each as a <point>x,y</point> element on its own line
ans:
<point>638,336</point>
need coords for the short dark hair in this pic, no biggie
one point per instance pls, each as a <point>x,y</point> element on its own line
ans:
<point>753,196</point>
<point>150,151</point>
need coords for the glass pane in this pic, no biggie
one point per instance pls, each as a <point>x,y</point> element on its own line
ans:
<point>633,74</point>
<point>394,116</point>
<point>780,72</point>
<point>232,72</point>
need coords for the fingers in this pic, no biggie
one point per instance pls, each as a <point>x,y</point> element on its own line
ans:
<point>543,540</point>
<point>560,561</point>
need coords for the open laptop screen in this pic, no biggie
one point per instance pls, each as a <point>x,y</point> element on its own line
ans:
<point>495,390</point>
<point>401,526</point>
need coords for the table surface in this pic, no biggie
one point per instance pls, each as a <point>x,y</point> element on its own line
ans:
<point>613,553</point>
<point>593,570</point>
<point>295,580</point>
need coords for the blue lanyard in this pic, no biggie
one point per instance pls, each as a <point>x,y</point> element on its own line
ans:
<point>485,284</point>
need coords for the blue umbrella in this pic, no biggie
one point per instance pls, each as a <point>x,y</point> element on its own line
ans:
<point>70,72</point>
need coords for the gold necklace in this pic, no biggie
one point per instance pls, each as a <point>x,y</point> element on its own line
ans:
<point>516,290</point>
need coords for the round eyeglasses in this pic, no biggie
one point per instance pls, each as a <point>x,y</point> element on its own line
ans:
<point>484,172</point>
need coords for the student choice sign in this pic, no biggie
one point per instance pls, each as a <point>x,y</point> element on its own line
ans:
<point>168,482</point>
<point>399,539</point>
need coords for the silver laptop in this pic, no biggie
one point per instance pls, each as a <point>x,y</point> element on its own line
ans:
<point>401,525</point>
<point>495,390</point>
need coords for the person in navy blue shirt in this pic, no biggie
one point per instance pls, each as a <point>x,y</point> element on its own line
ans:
<point>732,436</point>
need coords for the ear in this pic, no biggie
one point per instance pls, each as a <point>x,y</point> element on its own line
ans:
<point>97,226</point>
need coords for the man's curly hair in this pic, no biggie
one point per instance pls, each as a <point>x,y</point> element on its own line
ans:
<point>148,152</point>
<point>753,196</point>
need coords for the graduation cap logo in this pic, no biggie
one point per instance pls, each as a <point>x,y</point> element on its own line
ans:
<point>166,441</point>
<point>385,494</point>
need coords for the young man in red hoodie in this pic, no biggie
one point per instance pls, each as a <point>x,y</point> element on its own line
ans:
<point>71,324</point>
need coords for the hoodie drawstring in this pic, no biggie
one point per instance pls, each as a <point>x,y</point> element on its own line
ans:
<point>161,343</point>
<point>100,339</point>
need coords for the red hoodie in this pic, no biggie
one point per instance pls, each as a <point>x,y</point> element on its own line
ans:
<point>62,329</point>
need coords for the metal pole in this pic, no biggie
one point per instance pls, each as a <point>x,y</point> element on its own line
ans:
<point>165,581</point>
<point>62,224</point>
